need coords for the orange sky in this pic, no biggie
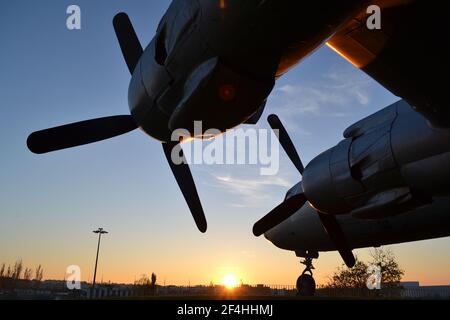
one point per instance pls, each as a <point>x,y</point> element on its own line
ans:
<point>50,204</point>
<point>200,263</point>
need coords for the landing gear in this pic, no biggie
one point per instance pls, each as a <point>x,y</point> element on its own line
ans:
<point>306,285</point>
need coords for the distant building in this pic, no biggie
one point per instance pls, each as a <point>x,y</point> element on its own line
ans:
<point>410,284</point>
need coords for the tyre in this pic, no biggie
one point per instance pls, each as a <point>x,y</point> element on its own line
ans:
<point>306,286</point>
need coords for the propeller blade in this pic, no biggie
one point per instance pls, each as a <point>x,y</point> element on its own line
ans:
<point>286,142</point>
<point>128,40</point>
<point>337,236</point>
<point>279,214</point>
<point>186,183</point>
<point>80,133</point>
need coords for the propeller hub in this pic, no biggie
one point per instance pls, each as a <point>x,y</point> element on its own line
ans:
<point>149,80</point>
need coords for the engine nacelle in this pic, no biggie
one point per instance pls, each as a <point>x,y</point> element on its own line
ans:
<point>382,167</point>
<point>220,97</point>
<point>327,179</point>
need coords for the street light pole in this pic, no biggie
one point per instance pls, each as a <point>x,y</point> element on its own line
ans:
<point>100,231</point>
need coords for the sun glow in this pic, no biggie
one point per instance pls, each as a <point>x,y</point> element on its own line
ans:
<point>230,281</point>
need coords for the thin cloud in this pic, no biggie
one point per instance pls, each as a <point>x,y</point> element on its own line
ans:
<point>253,184</point>
<point>333,97</point>
<point>251,192</point>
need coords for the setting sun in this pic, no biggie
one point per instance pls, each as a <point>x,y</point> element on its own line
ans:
<point>230,281</point>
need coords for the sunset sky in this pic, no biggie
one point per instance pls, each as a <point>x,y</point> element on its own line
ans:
<point>50,204</point>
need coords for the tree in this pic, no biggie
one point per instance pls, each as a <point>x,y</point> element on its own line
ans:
<point>27,274</point>
<point>2,270</point>
<point>2,275</point>
<point>356,277</point>
<point>17,270</point>
<point>39,273</point>
<point>145,284</point>
<point>391,273</point>
<point>142,281</point>
<point>19,276</point>
<point>9,273</point>
<point>153,282</point>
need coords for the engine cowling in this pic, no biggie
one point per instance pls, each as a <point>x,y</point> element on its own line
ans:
<point>324,175</point>
<point>389,162</point>
<point>220,97</point>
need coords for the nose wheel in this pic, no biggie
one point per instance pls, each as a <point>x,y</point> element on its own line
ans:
<point>306,285</point>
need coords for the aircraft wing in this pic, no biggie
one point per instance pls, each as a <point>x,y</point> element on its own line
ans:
<point>409,55</point>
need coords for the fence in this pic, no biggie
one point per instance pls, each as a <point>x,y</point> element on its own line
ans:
<point>220,292</point>
<point>433,292</point>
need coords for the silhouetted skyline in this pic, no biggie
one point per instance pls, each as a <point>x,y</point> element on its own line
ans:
<point>50,204</point>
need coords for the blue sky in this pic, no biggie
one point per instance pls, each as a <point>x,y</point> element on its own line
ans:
<point>49,204</point>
